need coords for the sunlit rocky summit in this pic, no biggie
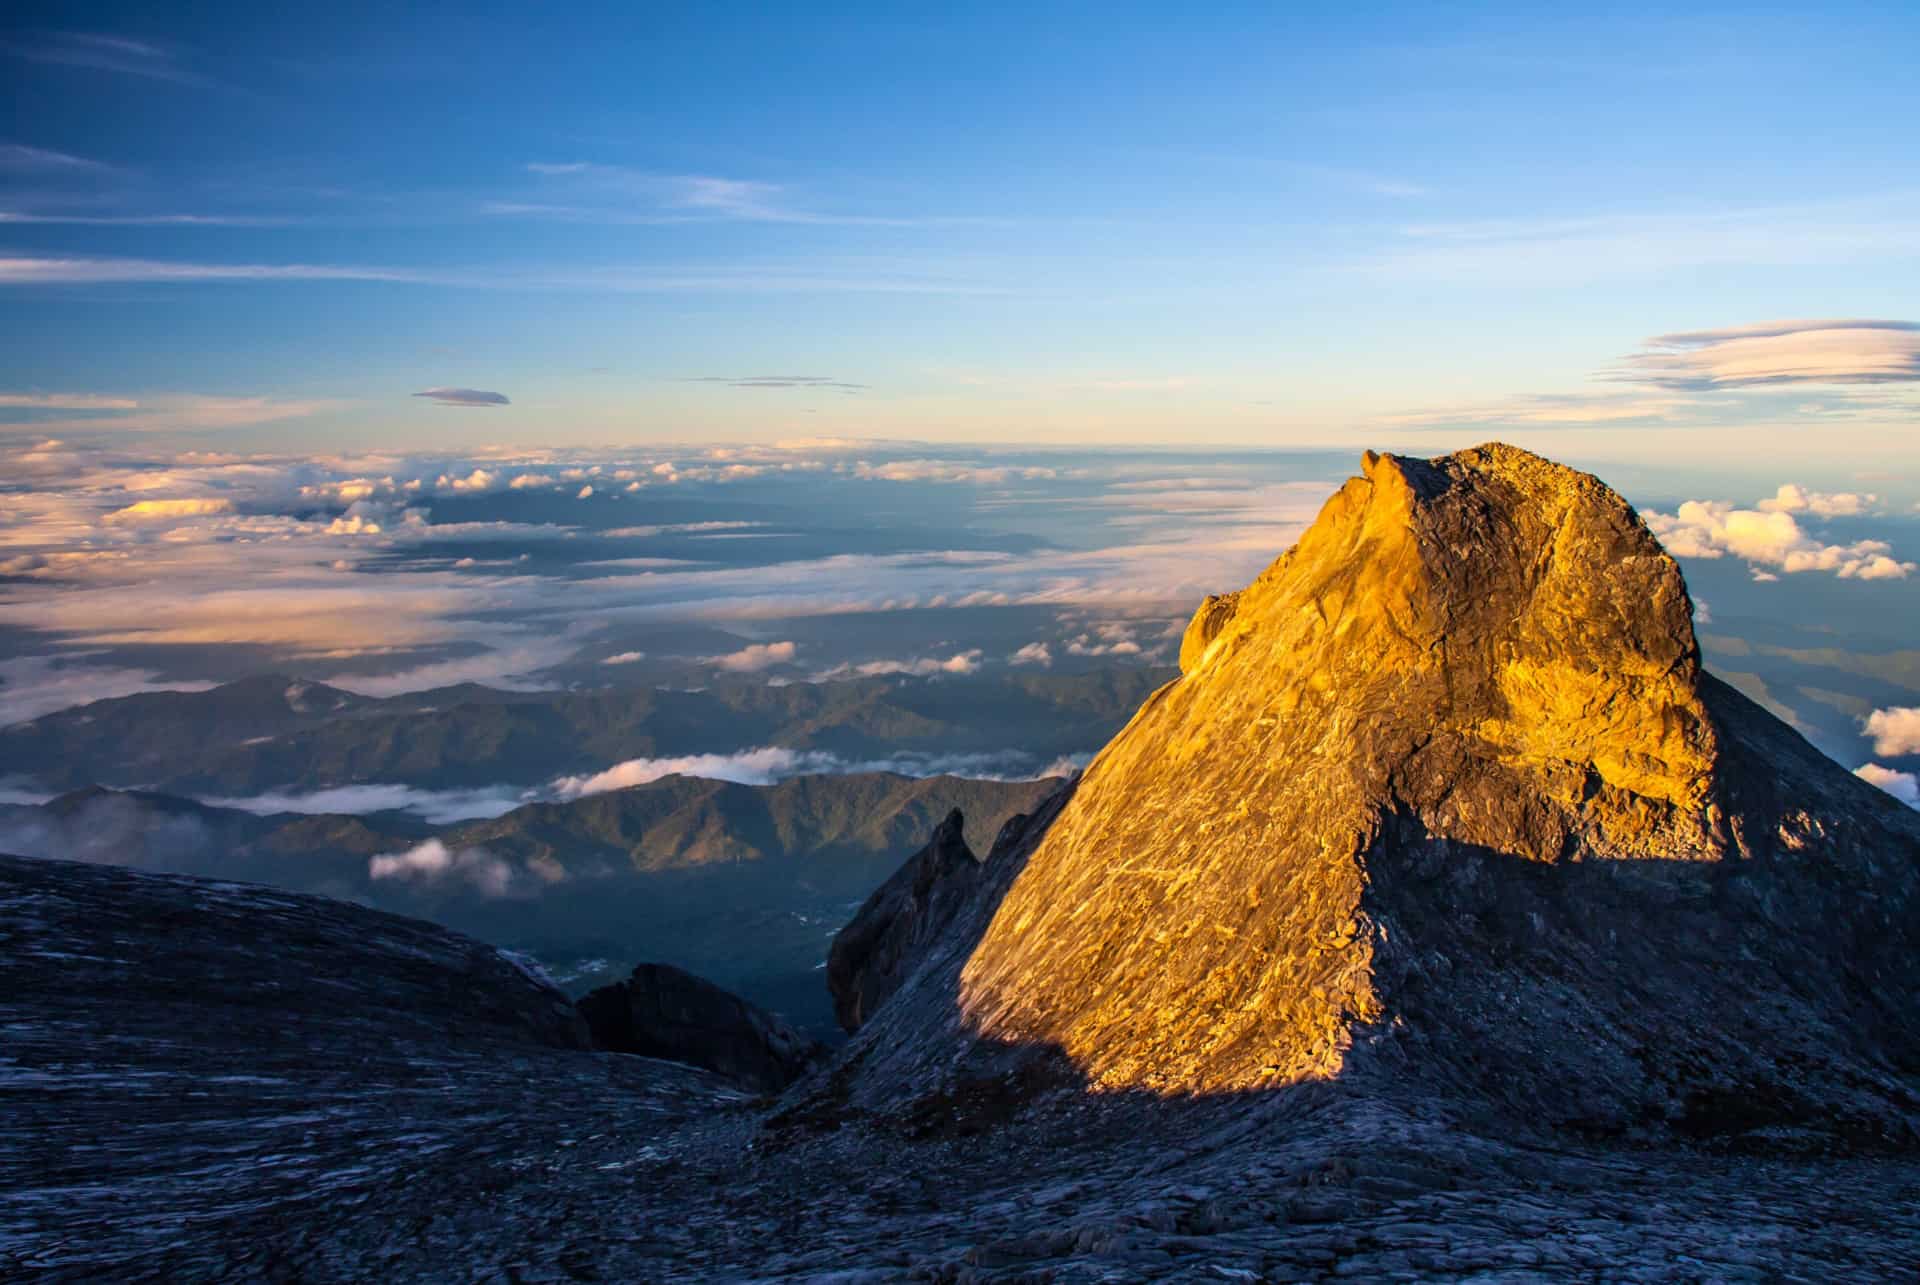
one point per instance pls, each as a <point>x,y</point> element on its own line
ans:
<point>1443,803</point>
<point>1442,918</point>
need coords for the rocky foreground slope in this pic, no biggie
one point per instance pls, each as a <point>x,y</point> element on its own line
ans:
<point>200,1077</point>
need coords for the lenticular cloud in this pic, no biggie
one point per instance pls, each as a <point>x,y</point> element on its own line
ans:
<point>464,397</point>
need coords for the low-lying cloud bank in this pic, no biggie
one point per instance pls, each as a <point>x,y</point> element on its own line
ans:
<point>762,765</point>
<point>108,829</point>
<point>769,764</point>
<point>388,571</point>
<point>34,685</point>
<point>442,807</point>
<point>433,862</point>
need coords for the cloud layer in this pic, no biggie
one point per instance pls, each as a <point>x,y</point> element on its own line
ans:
<point>769,764</point>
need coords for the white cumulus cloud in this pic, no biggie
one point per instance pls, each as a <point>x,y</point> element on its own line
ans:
<point>1904,786</point>
<point>1713,529</point>
<point>1034,653</point>
<point>1895,730</point>
<point>1793,498</point>
<point>755,657</point>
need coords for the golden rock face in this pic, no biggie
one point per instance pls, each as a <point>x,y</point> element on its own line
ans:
<point>1487,645</point>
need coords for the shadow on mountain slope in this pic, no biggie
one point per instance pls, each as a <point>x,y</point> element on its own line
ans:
<point>1753,1003</point>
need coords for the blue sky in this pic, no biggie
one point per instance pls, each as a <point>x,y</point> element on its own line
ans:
<point>399,347</point>
<point>273,226</point>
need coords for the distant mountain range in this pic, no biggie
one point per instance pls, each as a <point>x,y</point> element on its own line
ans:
<point>278,733</point>
<point>741,883</point>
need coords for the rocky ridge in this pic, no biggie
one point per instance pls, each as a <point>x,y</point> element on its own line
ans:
<point>665,1012</point>
<point>883,942</point>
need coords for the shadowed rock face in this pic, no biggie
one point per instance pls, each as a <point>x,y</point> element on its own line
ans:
<point>1443,799</point>
<point>872,955</point>
<point>665,1013</point>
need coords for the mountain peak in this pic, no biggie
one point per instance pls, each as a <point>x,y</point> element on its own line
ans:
<point>1489,642</point>
<point>1453,749</point>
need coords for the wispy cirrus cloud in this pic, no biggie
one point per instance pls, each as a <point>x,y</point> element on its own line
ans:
<point>1528,253</point>
<point>592,192</point>
<point>66,401</point>
<point>18,158</point>
<point>809,278</point>
<point>121,55</point>
<point>30,270</point>
<point>167,412</point>
<point>781,381</point>
<point>1365,181</point>
<point>464,397</point>
<point>1548,410</point>
<point>27,218</point>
